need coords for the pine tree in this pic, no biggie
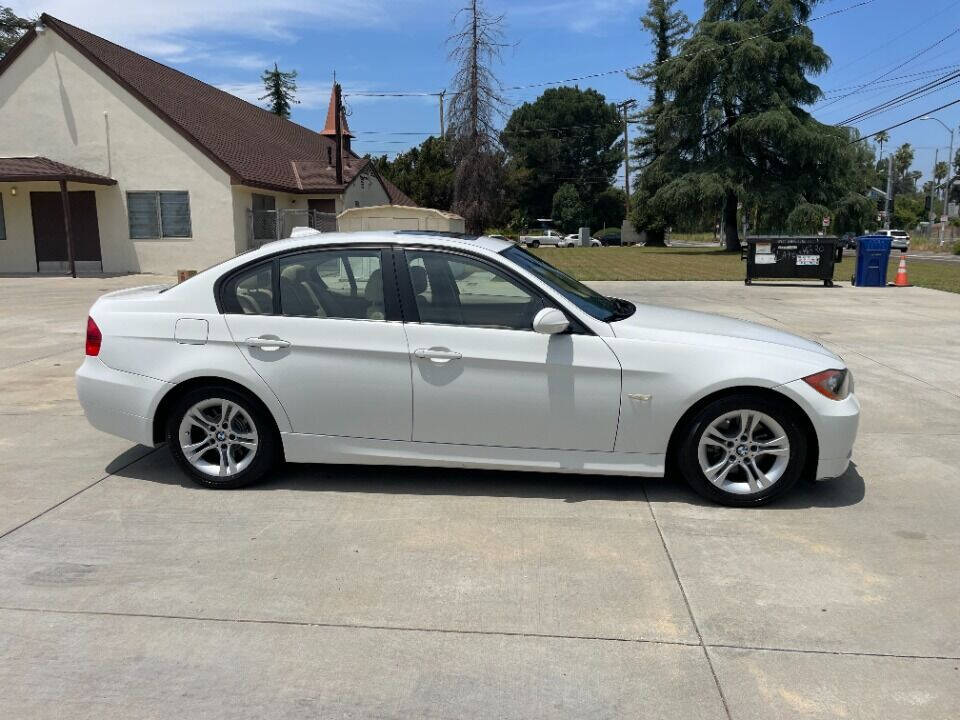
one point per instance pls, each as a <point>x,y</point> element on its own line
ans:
<point>735,129</point>
<point>281,88</point>
<point>11,28</point>
<point>476,101</point>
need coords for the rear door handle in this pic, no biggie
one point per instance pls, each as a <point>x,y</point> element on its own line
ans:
<point>265,343</point>
<point>437,354</point>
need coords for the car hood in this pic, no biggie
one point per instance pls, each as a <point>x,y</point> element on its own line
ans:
<point>653,318</point>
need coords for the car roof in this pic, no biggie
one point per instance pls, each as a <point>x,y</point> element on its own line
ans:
<point>305,237</point>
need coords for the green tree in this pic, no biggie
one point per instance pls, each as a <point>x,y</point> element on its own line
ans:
<point>881,137</point>
<point>425,173</point>
<point>281,90</point>
<point>567,209</point>
<point>608,209</point>
<point>807,218</point>
<point>904,179</point>
<point>736,128</point>
<point>667,27</point>
<point>11,28</point>
<point>567,135</point>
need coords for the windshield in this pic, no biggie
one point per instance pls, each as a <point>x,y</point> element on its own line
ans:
<point>590,301</point>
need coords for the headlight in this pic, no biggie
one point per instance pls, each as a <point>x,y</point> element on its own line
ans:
<point>834,384</point>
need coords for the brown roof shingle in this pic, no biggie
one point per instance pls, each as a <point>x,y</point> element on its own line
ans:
<point>255,146</point>
<point>26,169</point>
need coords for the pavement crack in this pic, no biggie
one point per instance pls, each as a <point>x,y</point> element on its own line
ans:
<point>686,601</point>
<point>73,495</point>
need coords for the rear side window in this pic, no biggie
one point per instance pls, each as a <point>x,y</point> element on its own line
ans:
<point>333,284</point>
<point>250,291</point>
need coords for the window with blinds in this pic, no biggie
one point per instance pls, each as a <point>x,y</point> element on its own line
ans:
<point>159,214</point>
<point>3,224</point>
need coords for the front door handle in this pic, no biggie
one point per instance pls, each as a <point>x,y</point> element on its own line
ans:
<point>265,343</point>
<point>437,354</point>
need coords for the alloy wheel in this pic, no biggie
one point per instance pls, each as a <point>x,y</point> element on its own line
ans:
<point>218,437</point>
<point>743,452</point>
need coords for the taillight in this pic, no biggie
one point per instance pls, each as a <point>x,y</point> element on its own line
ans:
<point>834,384</point>
<point>94,338</point>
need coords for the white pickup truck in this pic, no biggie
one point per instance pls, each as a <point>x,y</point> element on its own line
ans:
<point>547,237</point>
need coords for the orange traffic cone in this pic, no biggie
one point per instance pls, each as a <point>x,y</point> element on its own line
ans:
<point>901,279</point>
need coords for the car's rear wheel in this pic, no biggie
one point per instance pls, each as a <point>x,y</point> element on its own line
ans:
<point>221,437</point>
<point>742,450</point>
<point>535,244</point>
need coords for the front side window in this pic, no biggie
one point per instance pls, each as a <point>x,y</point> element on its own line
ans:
<point>159,214</point>
<point>453,289</point>
<point>588,300</point>
<point>333,284</point>
<point>250,291</point>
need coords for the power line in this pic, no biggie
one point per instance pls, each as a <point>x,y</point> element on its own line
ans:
<point>891,70</point>
<point>900,124</point>
<point>916,93</point>
<point>412,93</point>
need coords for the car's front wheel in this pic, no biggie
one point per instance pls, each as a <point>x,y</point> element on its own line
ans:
<point>742,450</point>
<point>221,438</point>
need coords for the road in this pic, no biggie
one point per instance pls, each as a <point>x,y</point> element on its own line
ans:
<point>336,591</point>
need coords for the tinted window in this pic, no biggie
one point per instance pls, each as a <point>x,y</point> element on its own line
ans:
<point>250,291</point>
<point>333,284</point>
<point>456,290</point>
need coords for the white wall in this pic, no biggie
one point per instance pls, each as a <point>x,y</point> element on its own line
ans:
<point>398,217</point>
<point>365,190</point>
<point>57,104</point>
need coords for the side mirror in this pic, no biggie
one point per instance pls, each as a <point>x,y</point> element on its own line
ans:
<point>550,321</point>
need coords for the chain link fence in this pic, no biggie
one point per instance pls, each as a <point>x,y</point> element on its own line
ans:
<point>265,226</point>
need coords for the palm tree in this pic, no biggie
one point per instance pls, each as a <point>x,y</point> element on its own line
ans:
<point>882,137</point>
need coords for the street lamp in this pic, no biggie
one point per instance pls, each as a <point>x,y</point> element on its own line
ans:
<point>946,192</point>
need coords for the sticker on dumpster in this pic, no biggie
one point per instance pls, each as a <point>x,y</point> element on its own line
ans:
<point>765,259</point>
<point>808,259</point>
<point>763,248</point>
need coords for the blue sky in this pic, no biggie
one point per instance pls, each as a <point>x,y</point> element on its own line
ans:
<point>399,45</point>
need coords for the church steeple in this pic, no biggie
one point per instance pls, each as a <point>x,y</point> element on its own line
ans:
<point>330,128</point>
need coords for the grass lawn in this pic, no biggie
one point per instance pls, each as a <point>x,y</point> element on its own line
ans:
<point>640,263</point>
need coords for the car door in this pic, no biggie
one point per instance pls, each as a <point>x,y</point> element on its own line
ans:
<point>322,328</point>
<point>482,376</point>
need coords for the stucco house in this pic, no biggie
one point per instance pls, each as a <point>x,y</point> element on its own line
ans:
<point>147,169</point>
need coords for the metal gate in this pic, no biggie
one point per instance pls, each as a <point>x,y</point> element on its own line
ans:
<point>265,226</point>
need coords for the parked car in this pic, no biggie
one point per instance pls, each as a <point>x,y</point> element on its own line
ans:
<point>574,241</point>
<point>848,241</point>
<point>608,237</point>
<point>406,348</point>
<point>547,237</point>
<point>899,239</point>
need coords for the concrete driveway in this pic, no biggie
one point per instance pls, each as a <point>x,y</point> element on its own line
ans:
<point>340,592</point>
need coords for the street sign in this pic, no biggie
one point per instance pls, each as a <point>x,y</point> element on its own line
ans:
<point>826,221</point>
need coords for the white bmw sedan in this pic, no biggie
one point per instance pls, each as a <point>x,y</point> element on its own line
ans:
<point>405,348</point>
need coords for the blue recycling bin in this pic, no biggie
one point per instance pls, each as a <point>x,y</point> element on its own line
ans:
<point>873,256</point>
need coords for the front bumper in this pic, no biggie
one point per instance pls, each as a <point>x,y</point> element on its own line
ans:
<point>117,402</point>
<point>835,422</point>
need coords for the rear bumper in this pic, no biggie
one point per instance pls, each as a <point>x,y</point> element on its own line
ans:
<point>835,422</point>
<point>117,402</point>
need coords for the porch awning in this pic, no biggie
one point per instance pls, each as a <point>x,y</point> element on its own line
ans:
<point>28,169</point>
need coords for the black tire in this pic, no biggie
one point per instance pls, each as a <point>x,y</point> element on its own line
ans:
<point>264,458</point>
<point>687,450</point>
<point>535,244</point>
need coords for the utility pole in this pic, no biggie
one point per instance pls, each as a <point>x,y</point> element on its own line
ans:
<point>886,209</point>
<point>933,183</point>
<point>946,190</point>
<point>626,150</point>
<point>442,133</point>
<point>338,129</point>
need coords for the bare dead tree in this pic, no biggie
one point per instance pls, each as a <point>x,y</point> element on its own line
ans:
<point>475,104</point>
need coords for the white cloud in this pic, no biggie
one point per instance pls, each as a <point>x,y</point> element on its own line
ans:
<point>137,20</point>
<point>582,16</point>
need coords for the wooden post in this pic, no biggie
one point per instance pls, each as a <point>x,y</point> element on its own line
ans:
<point>71,253</point>
<point>338,129</point>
